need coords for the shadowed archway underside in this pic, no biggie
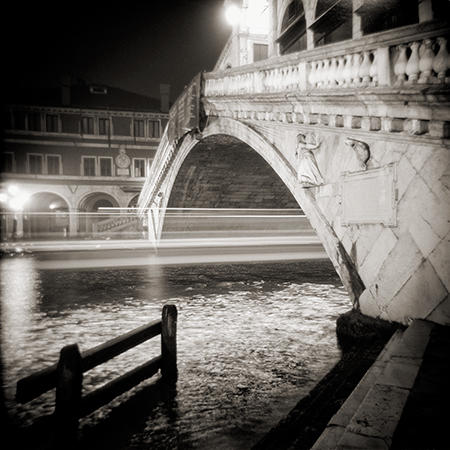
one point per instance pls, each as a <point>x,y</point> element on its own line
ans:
<point>224,172</point>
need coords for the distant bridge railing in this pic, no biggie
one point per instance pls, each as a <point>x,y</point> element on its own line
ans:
<point>67,374</point>
<point>410,55</point>
<point>158,170</point>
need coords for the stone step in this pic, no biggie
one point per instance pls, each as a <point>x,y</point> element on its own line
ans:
<point>370,415</point>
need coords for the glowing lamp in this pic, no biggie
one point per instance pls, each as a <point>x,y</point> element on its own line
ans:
<point>233,14</point>
<point>13,190</point>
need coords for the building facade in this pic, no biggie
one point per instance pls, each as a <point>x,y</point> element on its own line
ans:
<point>70,152</point>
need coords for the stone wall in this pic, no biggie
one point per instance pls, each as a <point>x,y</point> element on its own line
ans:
<point>404,267</point>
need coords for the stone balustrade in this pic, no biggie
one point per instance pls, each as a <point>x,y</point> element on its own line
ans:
<point>113,222</point>
<point>416,59</point>
<point>158,168</point>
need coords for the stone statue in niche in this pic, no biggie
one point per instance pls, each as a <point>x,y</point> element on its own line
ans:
<point>308,174</point>
<point>362,151</point>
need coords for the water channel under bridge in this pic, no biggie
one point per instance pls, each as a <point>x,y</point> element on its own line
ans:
<point>253,338</point>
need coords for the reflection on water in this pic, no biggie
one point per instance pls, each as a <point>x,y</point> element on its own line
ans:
<point>252,339</point>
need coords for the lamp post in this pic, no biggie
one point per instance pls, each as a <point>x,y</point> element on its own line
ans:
<point>14,199</point>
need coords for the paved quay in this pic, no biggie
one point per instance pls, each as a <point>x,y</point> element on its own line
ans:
<point>400,403</point>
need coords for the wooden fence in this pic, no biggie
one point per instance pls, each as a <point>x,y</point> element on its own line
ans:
<point>67,375</point>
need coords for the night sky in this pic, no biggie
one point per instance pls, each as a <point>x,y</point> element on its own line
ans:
<point>134,45</point>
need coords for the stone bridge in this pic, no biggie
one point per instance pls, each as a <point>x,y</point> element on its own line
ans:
<point>356,133</point>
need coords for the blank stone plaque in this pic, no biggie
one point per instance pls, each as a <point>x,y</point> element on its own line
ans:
<point>369,197</point>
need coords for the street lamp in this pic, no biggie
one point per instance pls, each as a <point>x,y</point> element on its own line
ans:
<point>14,198</point>
<point>233,12</point>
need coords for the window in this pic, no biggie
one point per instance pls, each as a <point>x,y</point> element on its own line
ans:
<point>7,162</point>
<point>293,29</point>
<point>34,121</point>
<point>103,126</point>
<point>139,167</point>
<point>260,52</point>
<point>105,166</point>
<point>87,125</point>
<point>51,123</point>
<point>153,128</point>
<point>34,162</point>
<point>377,17</point>
<point>8,120</point>
<point>89,166</point>
<point>98,90</point>
<point>122,126</point>
<point>19,120</point>
<point>333,21</point>
<point>139,128</point>
<point>53,164</point>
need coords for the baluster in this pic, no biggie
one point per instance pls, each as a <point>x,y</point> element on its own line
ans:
<point>400,65</point>
<point>332,73</point>
<point>323,79</point>
<point>373,71</point>
<point>319,73</point>
<point>323,72</point>
<point>280,79</point>
<point>277,80</point>
<point>364,69</point>
<point>257,87</point>
<point>312,78</point>
<point>347,72</point>
<point>326,71</point>
<point>412,67</point>
<point>264,80</point>
<point>355,69</point>
<point>269,80</point>
<point>441,61</point>
<point>290,78</point>
<point>426,55</point>
<point>340,71</point>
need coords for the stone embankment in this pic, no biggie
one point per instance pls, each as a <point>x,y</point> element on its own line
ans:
<point>396,398</point>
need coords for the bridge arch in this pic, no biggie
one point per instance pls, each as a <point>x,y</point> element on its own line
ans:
<point>287,173</point>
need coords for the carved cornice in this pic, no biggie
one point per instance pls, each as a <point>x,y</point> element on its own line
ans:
<point>413,112</point>
<point>87,111</point>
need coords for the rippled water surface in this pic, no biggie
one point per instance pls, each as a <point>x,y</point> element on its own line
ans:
<point>252,340</point>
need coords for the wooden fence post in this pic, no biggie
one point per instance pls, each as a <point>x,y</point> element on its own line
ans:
<point>68,396</point>
<point>169,369</point>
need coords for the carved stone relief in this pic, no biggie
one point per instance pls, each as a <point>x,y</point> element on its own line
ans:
<point>362,151</point>
<point>308,173</point>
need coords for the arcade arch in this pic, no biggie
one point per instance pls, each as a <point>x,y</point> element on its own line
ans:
<point>90,210</point>
<point>46,216</point>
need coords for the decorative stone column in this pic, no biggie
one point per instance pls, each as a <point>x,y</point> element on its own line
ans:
<point>425,11</point>
<point>273,18</point>
<point>18,225</point>
<point>73,222</point>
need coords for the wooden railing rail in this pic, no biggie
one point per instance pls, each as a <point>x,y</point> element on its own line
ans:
<point>67,374</point>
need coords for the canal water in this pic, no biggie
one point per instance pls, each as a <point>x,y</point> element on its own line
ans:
<point>253,338</point>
